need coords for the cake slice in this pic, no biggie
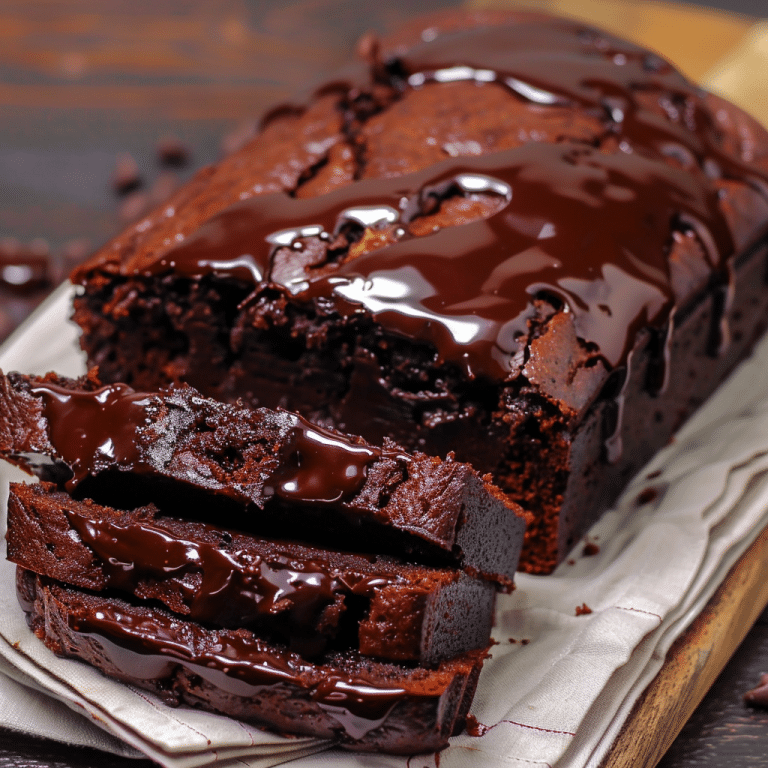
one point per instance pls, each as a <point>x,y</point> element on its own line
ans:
<point>307,598</point>
<point>359,703</point>
<point>258,470</point>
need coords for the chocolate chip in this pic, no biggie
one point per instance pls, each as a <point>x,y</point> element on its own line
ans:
<point>25,269</point>
<point>647,495</point>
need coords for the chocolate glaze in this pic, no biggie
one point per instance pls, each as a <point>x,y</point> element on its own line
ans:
<point>468,289</point>
<point>93,430</point>
<point>147,645</point>
<point>90,429</point>
<point>237,588</point>
<point>590,226</point>
<point>561,62</point>
<point>319,466</point>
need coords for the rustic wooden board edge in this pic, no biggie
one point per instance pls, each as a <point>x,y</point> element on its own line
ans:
<point>693,663</point>
<point>711,34</point>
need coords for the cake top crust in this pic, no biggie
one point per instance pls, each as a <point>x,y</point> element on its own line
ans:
<point>614,157</point>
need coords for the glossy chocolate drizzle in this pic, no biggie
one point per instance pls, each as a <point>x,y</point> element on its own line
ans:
<point>96,430</point>
<point>93,430</point>
<point>236,588</point>
<point>563,63</point>
<point>468,289</point>
<point>319,466</point>
<point>147,645</point>
<point>591,227</point>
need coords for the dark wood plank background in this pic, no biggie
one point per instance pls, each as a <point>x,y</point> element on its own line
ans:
<point>85,81</point>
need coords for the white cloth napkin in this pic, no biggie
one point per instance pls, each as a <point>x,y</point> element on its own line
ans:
<point>558,685</point>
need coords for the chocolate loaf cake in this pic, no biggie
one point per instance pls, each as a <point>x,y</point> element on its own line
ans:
<point>264,471</point>
<point>360,703</point>
<point>306,598</point>
<point>507,235</point>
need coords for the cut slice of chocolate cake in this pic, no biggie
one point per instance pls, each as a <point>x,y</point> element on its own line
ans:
<point>263,471</point>
<point>306,598</point>
<point>360,703</point>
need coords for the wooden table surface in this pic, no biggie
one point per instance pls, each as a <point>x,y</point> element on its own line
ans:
<point>83,82</point>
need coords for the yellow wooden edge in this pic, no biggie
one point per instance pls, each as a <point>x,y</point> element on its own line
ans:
<point>742,75</point>
<point>693,663</point>
<point>695,39</point>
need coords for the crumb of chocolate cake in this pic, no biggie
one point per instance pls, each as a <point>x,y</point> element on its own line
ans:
<point>474,727</point>
<point>758,696</point>
<point>26,269</point>
<point>173,152</point>
<point>590,549</point>
<point>28,272</point>
<point>647,495</point>
<point>125,177</point>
